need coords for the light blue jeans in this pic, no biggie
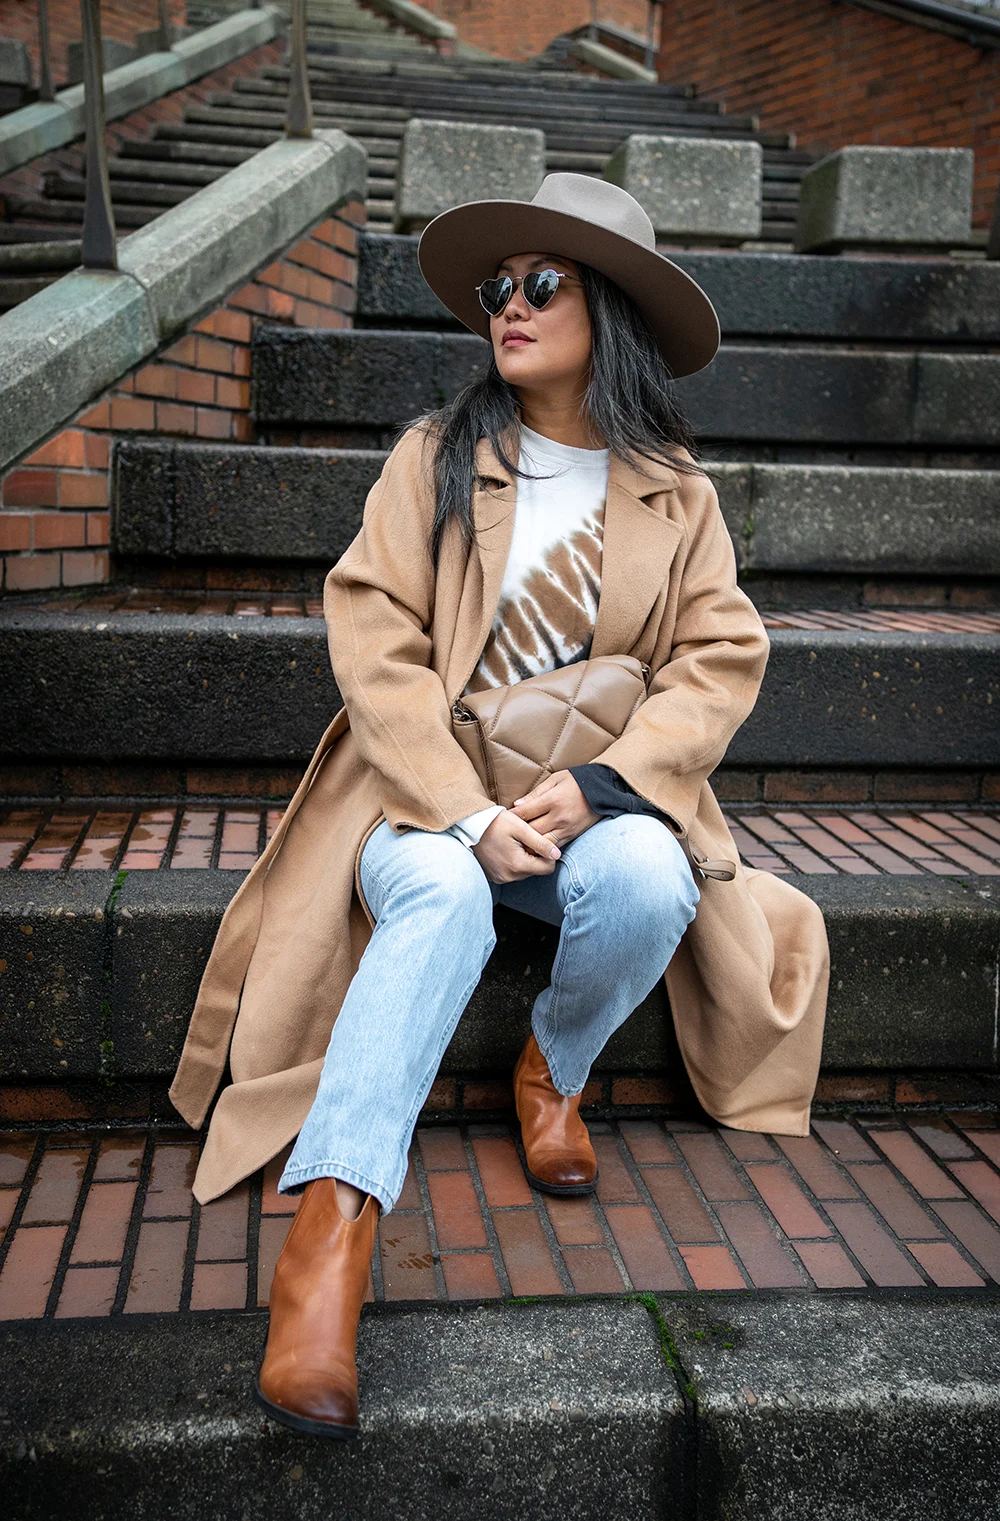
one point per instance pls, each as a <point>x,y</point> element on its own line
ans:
<point>622,893</point>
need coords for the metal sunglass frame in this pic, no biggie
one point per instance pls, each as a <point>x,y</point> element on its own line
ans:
<point>514,281</point>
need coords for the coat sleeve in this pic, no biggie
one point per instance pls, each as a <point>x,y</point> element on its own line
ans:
<point>707,687</point>
<point>379,603</point>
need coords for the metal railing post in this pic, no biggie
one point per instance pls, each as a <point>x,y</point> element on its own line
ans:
<point>98,244</point>
<point>164,30</point>
<point>45,90</point>
<point>993,241</point>
<point>299,121</point>
<point>592,30</point>
<point>650,57</point>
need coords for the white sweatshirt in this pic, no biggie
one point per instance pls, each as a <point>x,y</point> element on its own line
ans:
<point>552,582</point>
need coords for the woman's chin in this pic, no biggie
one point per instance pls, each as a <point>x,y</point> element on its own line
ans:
<point>519,366</point>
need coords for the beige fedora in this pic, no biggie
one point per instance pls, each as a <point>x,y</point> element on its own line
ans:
<point>590,221</point>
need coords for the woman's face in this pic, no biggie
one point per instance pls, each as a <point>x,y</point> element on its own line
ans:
<point>537,350</point>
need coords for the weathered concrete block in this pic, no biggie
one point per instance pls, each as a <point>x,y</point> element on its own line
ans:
<point>187,260</point>
<point>214,46</point>
<point>15,63</point>
<point>36,129</point>
<point>63,346</point>
<point>611,63</point>
<point>863,197</point>
<point>445,163</point>
<point>134,85</point>
<point>417,18</point>
<point>114,55</point>
<point>693,187</point>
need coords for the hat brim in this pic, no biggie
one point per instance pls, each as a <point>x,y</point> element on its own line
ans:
<point>462,247</point>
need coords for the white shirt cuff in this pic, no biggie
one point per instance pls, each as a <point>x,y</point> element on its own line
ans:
<point>471,829</point>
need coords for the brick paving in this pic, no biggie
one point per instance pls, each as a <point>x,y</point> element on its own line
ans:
<point>105,1224</point>
<point>808,841</point>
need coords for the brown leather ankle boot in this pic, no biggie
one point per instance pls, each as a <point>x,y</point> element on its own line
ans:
<point>309,1379</point>
<point>559,1156</point>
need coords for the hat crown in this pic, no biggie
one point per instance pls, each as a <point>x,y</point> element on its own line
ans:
<point>599,202</point>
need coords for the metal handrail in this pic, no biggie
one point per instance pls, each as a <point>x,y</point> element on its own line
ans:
<point>299,120</point>
<point>98,242</point>
<point>650,59</point>
<point>164,31</point>
<point>45,90</point>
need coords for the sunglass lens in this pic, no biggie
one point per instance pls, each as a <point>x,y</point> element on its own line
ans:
<point>494,294</point>
<point>539,287</point>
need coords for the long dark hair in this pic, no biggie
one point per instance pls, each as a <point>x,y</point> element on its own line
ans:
<point>629,402</point>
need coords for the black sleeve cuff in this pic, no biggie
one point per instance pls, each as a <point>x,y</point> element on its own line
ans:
<point>608,794</point>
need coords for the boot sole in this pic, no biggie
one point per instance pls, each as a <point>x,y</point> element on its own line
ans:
<point>303,1423</point>
<point>562,1190</point>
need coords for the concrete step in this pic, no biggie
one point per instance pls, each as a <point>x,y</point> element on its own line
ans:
<point>757,295</point>
<point>190,502</point>
<point>501,1409</point>
<point>108,913</point>
<point>807,394</point>
<point>213,686</point>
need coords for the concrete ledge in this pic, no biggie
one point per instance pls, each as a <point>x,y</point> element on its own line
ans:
<point>39,128</point>
<point>416,19</point>
<point>446,163</point>
<point>692,187</point>
<point>66,345</point>
<point>615,65</point>
<point>784,1405</point>
<point>865,196</point>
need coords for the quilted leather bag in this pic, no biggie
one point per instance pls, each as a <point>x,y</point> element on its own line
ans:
<point>519,734</point>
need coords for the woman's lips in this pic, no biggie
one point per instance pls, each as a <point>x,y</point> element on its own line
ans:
<point>516,338</point>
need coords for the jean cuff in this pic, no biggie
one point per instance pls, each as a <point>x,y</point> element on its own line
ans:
<point>293,1180</point>
<point>543,1046</point>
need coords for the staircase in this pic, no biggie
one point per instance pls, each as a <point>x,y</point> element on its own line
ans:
<point>369,80</point>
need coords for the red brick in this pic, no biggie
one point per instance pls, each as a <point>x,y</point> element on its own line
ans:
<point>273,1230</point>
<point>215,356</point>
<point>816,1167</point>
<point>989,1142</point>
<point>58,530</point>
<point>926,1175</point>
<point>232,393</point>
<point>443,1090</point>
<point>643,1250</point>
<point>682,1211</point>
<point>251,298</point>
<point>614,1181</point>
<point>96,417</point>
<point>169,1191</point>
<point>158,1270</point>
<point>104,1223</point>
<point>83,490</point>
<point>711,1267</point>
<point>409,1197</point>
<point>56,1188</point>
<point>898,1209</point>
<point>241,362</point>
<point>8,1203</point>
<point>642,1090</point>
<point>815,787</point>
<point>15,1154</point>
<point>944,1266</point>
<point>129,414</point>
<point>273,1203</point>
<point>647,1141</point>
<point>593,1270</point>
<point>346,237</point>
<point>184,351</point>
<point>219,1286</point>
<point>853,1090</point>
<point>881,1259</point>
<point>83,567</point>
<point>503,1179</point>
<point>31,573</point>
<point>441,1149</point>
<point>157,380</point>
<point>526,1253</point>
<point>222,1226</point>
<point>98,528</point>
<point>829,1265</point>
<point>982,1183</point>
<point>470,1275</point>
<point>96,451</point>
<point>171,417</point>
<point>15,530</point>
<point>29,1271</point>
<point>31,488</point>
<point>67,448</point>
<point>87,1292</point>
<point>407,1261</point>
<point>458,1219</point>
<point>210,422</point>
<point>575,1221</point>
<point>940,1137</point>
<point>280,306</point>
<point>716,1175</point>
<point>769,1264</point>
<point>119,1157</point>
<point>786,1201</point>
<point>488,1095</point>
<point>236,326</point>
<point>195,386</point>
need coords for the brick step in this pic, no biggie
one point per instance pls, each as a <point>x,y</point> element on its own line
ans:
<point>219,687</point>
<point>809,395</point>
<point>107,957</point>
<point>756,295</point>
<point>496,73</point>
<point>190,502</point>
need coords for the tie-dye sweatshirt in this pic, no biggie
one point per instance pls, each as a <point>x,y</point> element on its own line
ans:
<point>552,583</point>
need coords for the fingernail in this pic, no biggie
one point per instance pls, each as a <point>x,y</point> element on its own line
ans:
<point>555,852</point>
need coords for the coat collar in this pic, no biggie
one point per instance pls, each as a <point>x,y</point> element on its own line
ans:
<point>639,546</point>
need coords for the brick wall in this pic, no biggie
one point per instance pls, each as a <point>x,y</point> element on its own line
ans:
<point>528,30</point>
<point>121,21</point>
<point>836,74</point>
<point>54,517</point>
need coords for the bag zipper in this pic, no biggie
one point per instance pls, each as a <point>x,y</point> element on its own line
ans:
<point>466,715</point>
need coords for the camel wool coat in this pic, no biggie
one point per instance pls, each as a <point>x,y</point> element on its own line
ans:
<point>747,986</point>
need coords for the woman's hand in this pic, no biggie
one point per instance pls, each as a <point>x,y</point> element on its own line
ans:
<point>557,808</point>
<point>511,849</point>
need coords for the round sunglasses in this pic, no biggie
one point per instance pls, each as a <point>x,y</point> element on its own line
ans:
<point>538,288</point>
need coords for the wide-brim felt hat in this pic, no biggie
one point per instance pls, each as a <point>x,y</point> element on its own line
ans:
<point>591,221</point>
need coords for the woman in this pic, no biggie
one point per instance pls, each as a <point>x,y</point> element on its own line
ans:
<point>552,513</point>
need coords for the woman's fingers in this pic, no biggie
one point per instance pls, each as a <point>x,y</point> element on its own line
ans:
<point>534,841</point>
